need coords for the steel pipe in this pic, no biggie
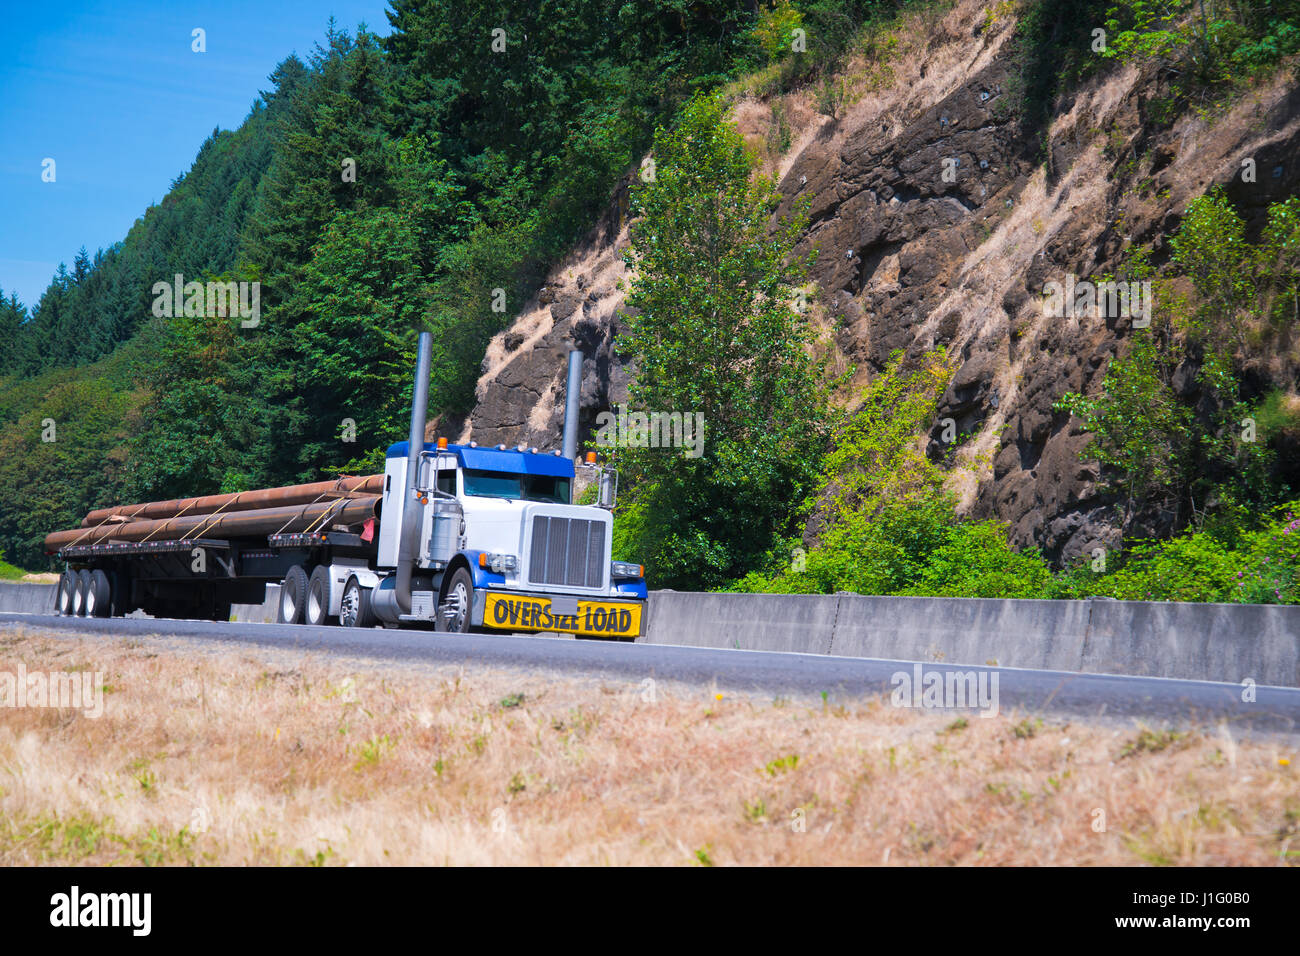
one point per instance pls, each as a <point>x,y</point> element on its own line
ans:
<point>238,524</point>
<point>237,501</point>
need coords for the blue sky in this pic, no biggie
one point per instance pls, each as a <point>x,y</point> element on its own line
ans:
<point>114,94</point>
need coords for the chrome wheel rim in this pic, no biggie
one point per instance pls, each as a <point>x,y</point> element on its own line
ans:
<point>457,603</point>
<point>350,607</point>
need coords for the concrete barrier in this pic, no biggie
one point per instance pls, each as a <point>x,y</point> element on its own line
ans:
<point>1196,641</point>
<point>264,613</point>
<point>1047,635</point>
<point>764,622</point>
<point>1216,642</point>
<point>25,598</point>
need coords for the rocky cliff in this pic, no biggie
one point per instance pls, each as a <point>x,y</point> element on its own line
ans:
<point>937,217</point>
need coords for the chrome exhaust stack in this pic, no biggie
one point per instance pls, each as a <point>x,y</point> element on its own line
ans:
<point>572,396</point>
<point>408,548</point>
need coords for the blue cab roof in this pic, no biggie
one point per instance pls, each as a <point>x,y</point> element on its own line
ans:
<point>496,459</point>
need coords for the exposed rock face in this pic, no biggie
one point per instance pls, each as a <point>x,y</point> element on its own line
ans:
<point>936,223</point>
<point>520,397</point>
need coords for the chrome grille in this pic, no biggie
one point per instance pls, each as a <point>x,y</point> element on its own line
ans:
<point>567,551</point>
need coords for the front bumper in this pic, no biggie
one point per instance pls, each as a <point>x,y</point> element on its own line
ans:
<point>566,614</point>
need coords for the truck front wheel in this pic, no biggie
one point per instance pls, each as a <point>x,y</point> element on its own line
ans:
<point>454,611</point>
<point>354,609</point>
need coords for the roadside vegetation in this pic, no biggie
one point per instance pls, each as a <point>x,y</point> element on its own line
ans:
<point>1201,475</point>
<point>1210,457</point>
<point>1209,50</point>
<point>8,572</point>
<point>379,186</point>
<point>717,324</point>
<point>203,756</point>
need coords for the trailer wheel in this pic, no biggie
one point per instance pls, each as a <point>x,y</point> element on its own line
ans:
<point>355,609</point>
<point>65,600</point>
<point>79,595</point>
<point>317,609</point>
<point>454,610</point>
<point>293,595</point>
<point>98,595</point>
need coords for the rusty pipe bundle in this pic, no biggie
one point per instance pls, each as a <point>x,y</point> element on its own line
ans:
<point>238,524</point>
<point>236,501</point>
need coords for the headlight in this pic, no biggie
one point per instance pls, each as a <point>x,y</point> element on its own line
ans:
<point>498,563</point>
<point>624,569</point>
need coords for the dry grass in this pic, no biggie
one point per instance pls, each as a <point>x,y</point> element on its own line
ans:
<point>204,755</point>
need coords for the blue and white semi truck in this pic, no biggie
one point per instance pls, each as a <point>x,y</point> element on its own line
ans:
<point>459,538</point>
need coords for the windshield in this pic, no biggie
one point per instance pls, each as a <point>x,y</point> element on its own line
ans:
<point>503,484</point>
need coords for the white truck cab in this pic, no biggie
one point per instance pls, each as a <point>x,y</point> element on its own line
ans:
<point>501,546</point>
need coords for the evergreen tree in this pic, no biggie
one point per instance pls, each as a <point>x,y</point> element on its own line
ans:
<point>13,319</point>
<point>716,331</point>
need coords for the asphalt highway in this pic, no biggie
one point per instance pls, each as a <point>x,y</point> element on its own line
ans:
<point>1155,701</point>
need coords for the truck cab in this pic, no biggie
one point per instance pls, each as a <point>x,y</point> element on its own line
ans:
<point>501,546</point>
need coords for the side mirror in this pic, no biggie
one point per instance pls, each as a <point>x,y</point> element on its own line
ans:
<point>426,474</point>
<point>607,490</point>
<point>426,479</point>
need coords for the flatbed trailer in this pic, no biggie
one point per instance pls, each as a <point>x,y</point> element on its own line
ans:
<point>198,578</point>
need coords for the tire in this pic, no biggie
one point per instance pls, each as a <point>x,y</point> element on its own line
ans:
<point>293,595</point>
<point>99,595</point>
<point>79,596</point>
<point>355,609</point>
<point>66,597</point>
<point>316,610</point>
<point>457,602</point>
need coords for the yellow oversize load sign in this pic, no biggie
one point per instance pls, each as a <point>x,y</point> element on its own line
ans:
<point>525,612</point>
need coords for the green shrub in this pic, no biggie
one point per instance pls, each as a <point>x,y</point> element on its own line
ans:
<point>914,548</point>
<point>775,29</point>
<point>1231,560</point>
<point>8,572</point>
<point>1195,567</point>
<point>976,560</point>
<point>1267,568</point>
<point>1140,427</point>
